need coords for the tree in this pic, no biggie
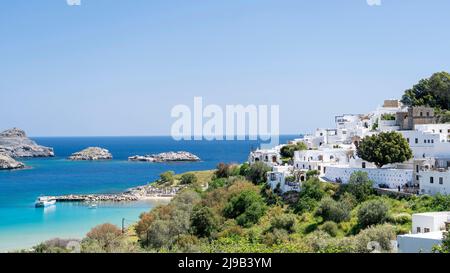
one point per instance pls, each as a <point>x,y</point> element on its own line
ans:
<point>330,227</point>
<point>167,177</point>
<point>283,221</point>
<point>372,212</point>
<point>433,92</point>
<point>359,185</point>
<point>257,173</point>
<point>384,148</point>
<point>188,178</point>
<point>203,221</point>
<point>288,151</point>
<point>106,236</point>
<point>312,189</point>
<point>331,210</point>
<point>246,207</point>
<point>243,170</point>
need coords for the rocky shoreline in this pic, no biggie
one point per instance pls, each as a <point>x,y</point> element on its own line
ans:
<point>9,163</point>
<point>91,153</point>
<point>166,157</point>
<point>15,143</point>
<point>134,194</point>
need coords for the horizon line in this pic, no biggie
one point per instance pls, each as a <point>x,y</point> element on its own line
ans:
<point>155,135</point>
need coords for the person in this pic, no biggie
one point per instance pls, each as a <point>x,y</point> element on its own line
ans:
<point>399,189</point>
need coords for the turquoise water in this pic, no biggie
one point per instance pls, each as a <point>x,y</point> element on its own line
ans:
<point>22,225</point>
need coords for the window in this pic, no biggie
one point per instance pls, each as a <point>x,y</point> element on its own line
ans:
<point>441,180</point>
<point>424,141</point>
<point>428,114</point>
<point>417,140</point>
<point>421,114</point>
<point>407,140</point>
<point>419,230</point>
<point>417,168</point>
<point>432,141</point>
<point>431,180</point>
<point>440,131</point>
<point>417,177</point>
<point>426,230</point>
<point>364,165</point>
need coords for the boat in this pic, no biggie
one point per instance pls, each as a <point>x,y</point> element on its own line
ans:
<point>92,206</point>
<point>45,201</point>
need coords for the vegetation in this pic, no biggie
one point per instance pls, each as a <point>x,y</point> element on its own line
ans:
<point>257,173</point>
<point>288,150</point>
<point>384,148</point>
<point>359,186</point>
<point>188,178</point>
<point>432,92</point>
<point>387,116</point>
<point>166,177</point>
<point>235,215</point>
<point>372,212</point>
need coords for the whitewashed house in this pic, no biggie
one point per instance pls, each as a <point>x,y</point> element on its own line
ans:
<point>319,160</point>
<point>433,176</point>
<point>427,232</point>
<point>270,157</point>
<point>285,179</point>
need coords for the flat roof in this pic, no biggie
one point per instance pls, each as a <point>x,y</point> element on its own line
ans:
<point>437,213</point>
<point>435,235</point>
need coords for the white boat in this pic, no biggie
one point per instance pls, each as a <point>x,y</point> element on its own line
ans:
<point>45,201</point>
<point>92,206</point>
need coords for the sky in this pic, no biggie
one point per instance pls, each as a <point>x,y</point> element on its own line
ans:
<point>117,68</point>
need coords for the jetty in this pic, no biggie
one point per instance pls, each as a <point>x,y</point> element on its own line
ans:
<point>134,194</point>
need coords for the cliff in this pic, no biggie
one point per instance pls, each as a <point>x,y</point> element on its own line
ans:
<point>15,143</point>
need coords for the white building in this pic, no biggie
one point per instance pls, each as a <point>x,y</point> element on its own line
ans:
<point>385,177</point>
<point>443,130</point>
<point>427,232</point>
<point>284,179</point>
<point>319,160</point>
<point>270,157</point>
<point>434,178</point>
<point>426,144</point>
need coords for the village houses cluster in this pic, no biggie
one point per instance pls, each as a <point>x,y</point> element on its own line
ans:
<point>331,154</point>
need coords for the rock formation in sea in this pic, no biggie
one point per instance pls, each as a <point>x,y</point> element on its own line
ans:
<point>92,153</point>
<point>8,163</point>
<point>165,157</point>
<point>15,143</point>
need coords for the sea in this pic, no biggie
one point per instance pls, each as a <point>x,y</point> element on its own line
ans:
<point>23,226</point>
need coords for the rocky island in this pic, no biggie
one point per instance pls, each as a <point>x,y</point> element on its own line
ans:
<point>8,163</point>
<point>92,153</point>
<point>15,143</point>
<point>166,157</point>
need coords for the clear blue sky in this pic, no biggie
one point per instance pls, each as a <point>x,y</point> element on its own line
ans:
<point>111,67</point>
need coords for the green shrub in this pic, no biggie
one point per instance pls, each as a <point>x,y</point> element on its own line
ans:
<point>246,207</point>
<point>331,210</point>
<point>188,178</point>
<point>217,183</point>
<point>203,221</point>
<point>167,177</point>
<point>372,212</point>
<point>401,218</point>
<point>359,185</point>
<point>283,221</point>
<point>257,173</point>
<point>330,227</point>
